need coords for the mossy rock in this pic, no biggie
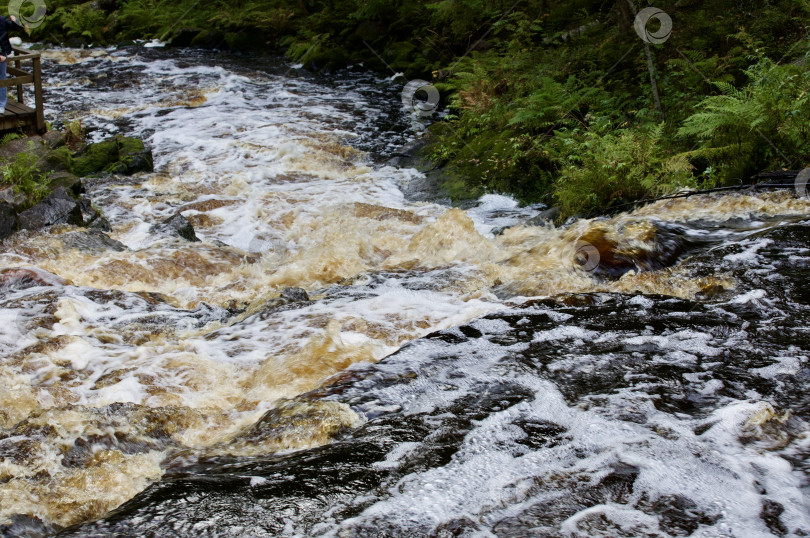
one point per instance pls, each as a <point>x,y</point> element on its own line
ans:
<point>116,155</point>
<point>56,160</point>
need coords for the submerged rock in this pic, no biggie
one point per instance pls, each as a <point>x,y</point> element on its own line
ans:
<point>293,425</point>
<point>289,298</point>
<point>20,278</point>
<point>294,295</point>
<point>91,241</point>
<point>176,225</point>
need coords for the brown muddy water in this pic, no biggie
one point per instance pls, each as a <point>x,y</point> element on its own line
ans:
<point>334,358</point>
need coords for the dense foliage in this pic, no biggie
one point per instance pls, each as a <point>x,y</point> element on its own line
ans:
<point>551,101</point>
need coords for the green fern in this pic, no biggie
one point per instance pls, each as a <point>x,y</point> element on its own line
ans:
<point>763,124</point>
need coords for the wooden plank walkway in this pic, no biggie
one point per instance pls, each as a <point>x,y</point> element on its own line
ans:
<point>17,114</point>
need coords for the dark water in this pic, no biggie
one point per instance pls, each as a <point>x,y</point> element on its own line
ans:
<point>628,414</point>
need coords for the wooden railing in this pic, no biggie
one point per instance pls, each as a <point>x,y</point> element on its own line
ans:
<point>17,113</point>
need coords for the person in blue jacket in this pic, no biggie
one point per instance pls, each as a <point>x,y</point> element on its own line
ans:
<point>6,25</point>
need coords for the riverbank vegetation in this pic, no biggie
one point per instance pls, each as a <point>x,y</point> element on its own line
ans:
<point>559,102</point>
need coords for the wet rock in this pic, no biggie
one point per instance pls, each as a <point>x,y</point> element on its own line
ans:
<point>94,241</point>
<point>54,160</point>
<point>289,298</point>
<point>458,527</point>
<point>8,220</point>
<point>770,514</point>
<point>176,225</point>
<point>116,155</point>
<point>294,425</point>
<point>92,217</point>
<point>681,516</point>
<point>59,207</point>
<point>67,180</point>
<point>23,526</point>
<point>549,215</point>
<point>49,150</point>
<point>18,278</point>
<point>101,223</point>
<point>20,145</point>
<point>294,295</point>
<point>8,196</point>
<point>601,253</point>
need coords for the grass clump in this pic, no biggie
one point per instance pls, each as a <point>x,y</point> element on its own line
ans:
<point>22,175</point>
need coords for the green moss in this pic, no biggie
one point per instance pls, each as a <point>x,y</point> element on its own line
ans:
<point>59,159</point>
<point>116,155</point>
<point>96,157</point>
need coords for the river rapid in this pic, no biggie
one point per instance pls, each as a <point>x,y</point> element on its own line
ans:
<point>337,358</point>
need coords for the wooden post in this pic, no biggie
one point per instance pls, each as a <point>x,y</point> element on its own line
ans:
<point>40,115</point>
<point>20,98</point>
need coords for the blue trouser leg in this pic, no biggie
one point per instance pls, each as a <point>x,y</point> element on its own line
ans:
<point>3,91</point>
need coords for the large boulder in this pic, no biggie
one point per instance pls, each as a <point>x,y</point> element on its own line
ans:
<point>115,155</point>
<point>59,207</point>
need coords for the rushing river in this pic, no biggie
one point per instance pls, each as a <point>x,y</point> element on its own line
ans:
<point>446,373</point>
